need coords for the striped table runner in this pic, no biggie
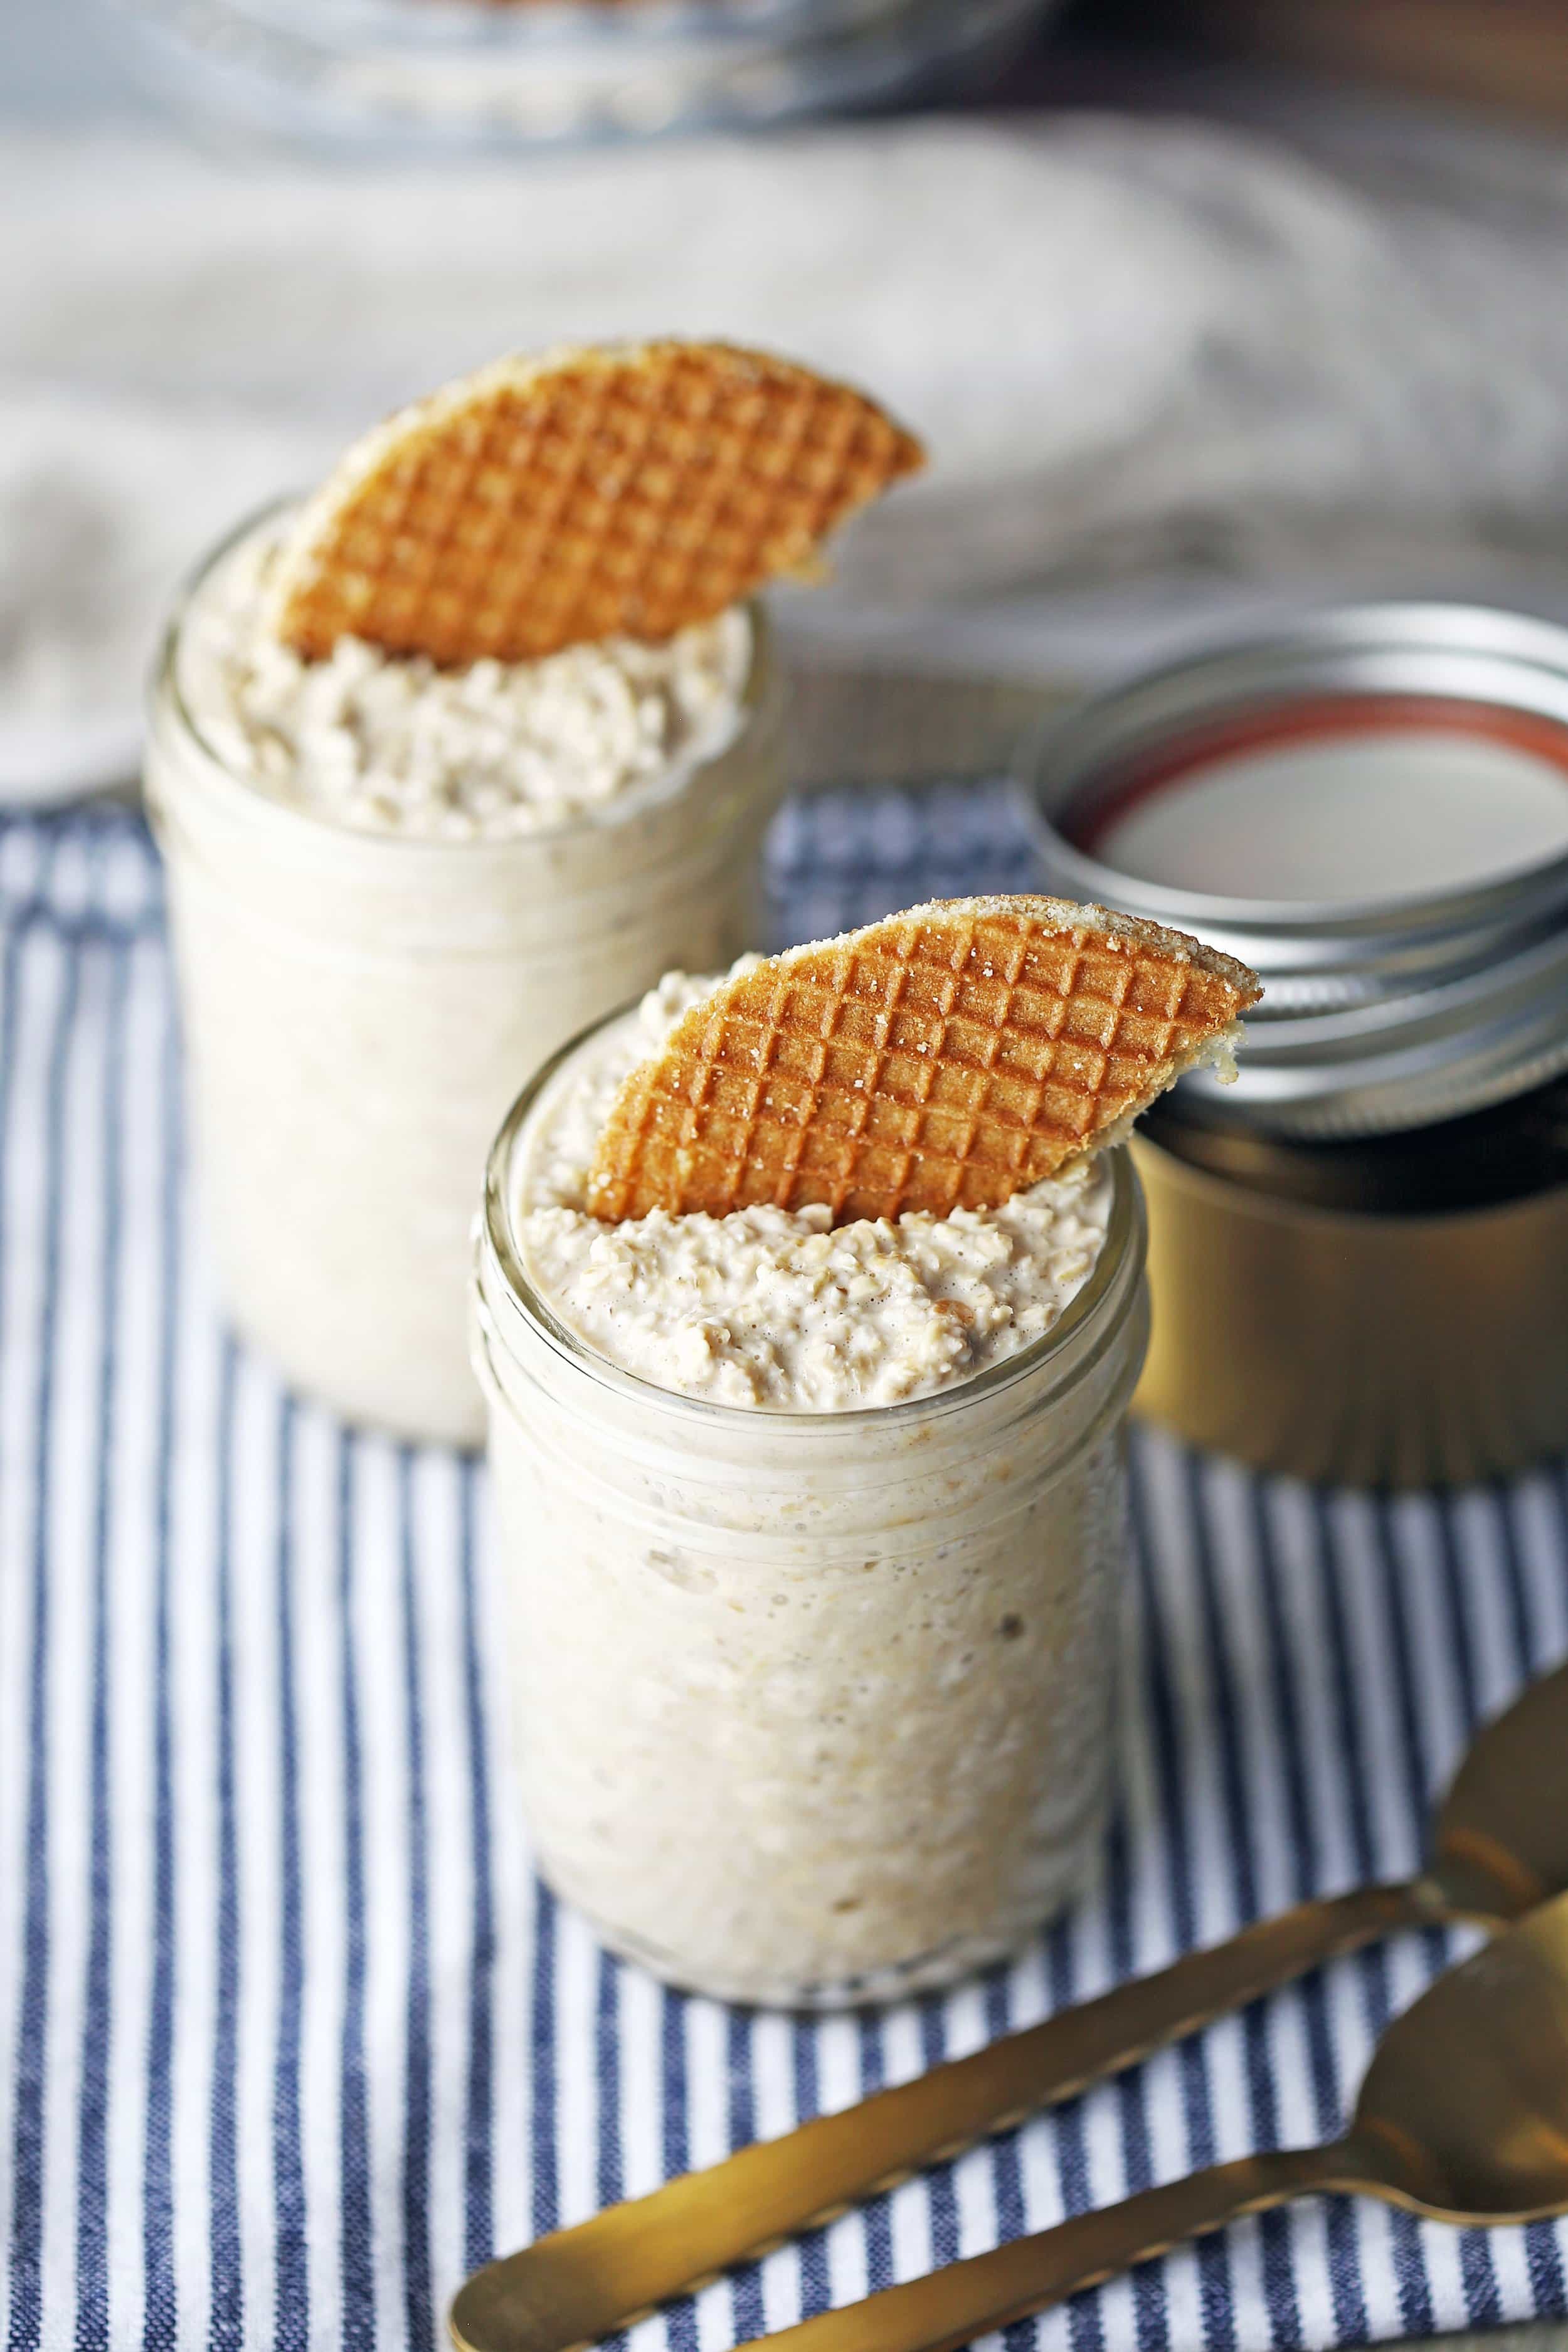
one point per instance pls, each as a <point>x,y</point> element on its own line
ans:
<point>291,2037</point>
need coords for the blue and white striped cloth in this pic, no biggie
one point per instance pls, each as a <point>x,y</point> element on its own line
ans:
<point>291,2038</point>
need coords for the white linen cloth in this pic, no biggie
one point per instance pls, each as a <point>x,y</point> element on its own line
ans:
<point>1133,346</point>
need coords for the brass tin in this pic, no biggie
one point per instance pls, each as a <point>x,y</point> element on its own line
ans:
<point>1356,1347</point>
<point>1358,1254</point>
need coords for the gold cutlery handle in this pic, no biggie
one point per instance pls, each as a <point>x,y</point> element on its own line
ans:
<point>582,2283</point>
<point>949,2308</point>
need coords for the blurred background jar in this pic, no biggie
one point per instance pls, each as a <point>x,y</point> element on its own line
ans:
<point>358,1008</point>
<point>434,78</point>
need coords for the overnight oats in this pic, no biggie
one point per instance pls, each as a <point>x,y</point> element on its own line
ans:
<point>808,1307</point>
<point>446,762</point>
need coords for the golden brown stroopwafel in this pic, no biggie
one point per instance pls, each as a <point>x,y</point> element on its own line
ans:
<point>590,494</point>
<point>945,1059</point>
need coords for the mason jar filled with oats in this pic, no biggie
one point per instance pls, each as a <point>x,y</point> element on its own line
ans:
<point>808,1308</point>
<point>444,762</point>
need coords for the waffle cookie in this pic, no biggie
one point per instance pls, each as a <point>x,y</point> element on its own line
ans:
<point>940,1059</point>
<point>544,503</point>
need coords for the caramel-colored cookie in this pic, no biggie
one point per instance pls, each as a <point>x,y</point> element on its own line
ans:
<point>940,1059</point>
<point>590,494</point>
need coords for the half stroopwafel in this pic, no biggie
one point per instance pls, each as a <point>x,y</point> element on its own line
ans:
<point>943,1059</point>
<point>542,503</point>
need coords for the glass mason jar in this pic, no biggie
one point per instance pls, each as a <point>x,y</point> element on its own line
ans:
<point>813,1708</point>
<point>358,1008</point>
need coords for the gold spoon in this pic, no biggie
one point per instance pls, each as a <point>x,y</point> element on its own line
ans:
<point>1463,2118</point>
<point>1500,1847</point>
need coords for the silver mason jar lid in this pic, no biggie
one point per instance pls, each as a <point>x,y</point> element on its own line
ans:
<point>1378,1013</point>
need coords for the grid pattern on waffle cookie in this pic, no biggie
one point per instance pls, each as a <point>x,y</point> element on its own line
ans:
<point>930,1063</point>
<point>544,506</point>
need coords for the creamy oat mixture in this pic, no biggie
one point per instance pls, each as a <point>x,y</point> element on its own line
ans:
<point>389,744</point>
<point>775,1308</point>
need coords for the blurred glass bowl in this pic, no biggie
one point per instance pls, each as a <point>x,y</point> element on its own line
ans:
<point>403,77</point>
<point>616,27</point>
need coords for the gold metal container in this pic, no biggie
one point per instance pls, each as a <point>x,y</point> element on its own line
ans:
<point>1375,1348</point>
<point>1358,1252</point>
